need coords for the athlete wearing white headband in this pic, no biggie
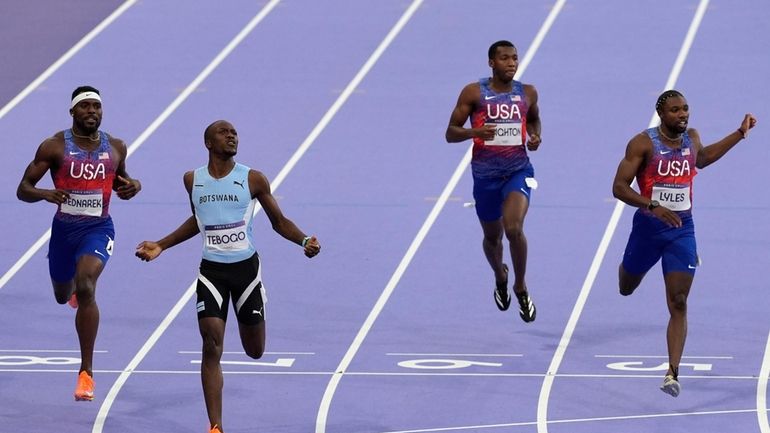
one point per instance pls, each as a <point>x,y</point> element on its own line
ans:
<point>85,95</point>
<point>87,165</point>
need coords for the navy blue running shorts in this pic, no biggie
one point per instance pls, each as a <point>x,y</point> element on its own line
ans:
<point>651,240</point>
<point>71,240</point>
<point>490,193</point>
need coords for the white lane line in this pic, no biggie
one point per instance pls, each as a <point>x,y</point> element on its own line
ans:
<point>764,373</point>
<point>545,391</point>
<point>576,420</point>
<point>458,354</point>
<point>25,258</point>
<point>661,357</point>
<point>323,410</point>
<point>378,374</point>
<point>64,58</point>
<point>198,352</point>
<point>112,394</point>
<point>46,351</point>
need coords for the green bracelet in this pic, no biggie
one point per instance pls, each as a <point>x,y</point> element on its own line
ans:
<point>305,240</point>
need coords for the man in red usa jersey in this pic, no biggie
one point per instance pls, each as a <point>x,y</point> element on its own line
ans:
<point>86,165</point>
<point>503,112</point>
<point>664,160</point>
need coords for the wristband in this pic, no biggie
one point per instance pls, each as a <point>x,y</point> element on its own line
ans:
<point>742,132</point>
<point>305,240</point>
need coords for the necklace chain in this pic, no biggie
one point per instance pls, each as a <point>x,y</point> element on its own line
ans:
<point>660,131</point>
<point>92,139</point>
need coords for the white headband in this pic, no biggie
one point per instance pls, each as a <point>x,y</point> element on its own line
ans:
<point>85,95</point>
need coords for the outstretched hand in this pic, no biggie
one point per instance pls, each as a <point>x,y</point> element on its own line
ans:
<point>749,121</point>
<point>149,250</point>
<point>312,247</point>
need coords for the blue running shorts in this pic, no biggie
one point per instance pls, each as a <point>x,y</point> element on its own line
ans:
<point>490,193</point>
<point>71,240</point>
<point>651,240</point>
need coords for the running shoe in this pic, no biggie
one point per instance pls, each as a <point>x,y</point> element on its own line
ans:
<point>671,386</point>
<point>527,309</point>
<point>215,429</point>
<point>85,388</point>
<point>502,297</point>
<point>73,302</point>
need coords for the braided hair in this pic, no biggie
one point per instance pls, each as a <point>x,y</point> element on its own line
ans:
<point>663,97</point>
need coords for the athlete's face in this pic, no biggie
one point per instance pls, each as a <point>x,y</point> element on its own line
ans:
<point>675,114</point>
<point>223,139</point>
<point>505,63</point>
<point>87,115</point>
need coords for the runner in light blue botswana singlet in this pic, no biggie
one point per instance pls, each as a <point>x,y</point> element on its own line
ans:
<point>223,209</point>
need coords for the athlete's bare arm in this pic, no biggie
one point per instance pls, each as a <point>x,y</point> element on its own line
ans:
<point>638,152</point>
<point>124,185</point>
<point>47,157</point>
<point>712,153</point>
<point>456,131</point>
<point>533,118</point>
<point>149,250</point>
<point>260,189</point>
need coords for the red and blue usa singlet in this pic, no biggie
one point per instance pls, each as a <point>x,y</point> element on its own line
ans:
<point>88,177</point>
<point>669,173</point>
<point>505,153</point>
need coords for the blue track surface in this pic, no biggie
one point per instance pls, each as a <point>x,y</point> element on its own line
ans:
<point>372,335</point>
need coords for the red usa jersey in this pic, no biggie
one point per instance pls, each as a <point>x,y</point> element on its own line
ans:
<point>505,153</point>
<point>668,175</point>
<point>88,177</point>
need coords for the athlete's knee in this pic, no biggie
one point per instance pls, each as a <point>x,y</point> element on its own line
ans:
<point>85,289</point>
<point>627,283</point>
<point>61,297</point>
<point>254,350</point>
<point>62,291</point>
<point>679,302</point>
<point>514,230</point>
<point>627,288</point>
<point>253,339</point>
<point>493,239</point>
<point>212,346</point>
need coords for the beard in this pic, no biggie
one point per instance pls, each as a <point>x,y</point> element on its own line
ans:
<point>88,127</point>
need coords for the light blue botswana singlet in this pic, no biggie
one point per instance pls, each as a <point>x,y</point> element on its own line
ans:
<point>223,209</point>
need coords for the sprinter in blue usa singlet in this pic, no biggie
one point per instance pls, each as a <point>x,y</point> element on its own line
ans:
<point>664,160</point>
<point>505,124</point>
<point>86,165</point>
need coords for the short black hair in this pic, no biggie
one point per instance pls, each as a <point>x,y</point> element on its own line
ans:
<point>501,43</point>
<point>83,89</point>
<point>664,96</point>
<point>208,129</point>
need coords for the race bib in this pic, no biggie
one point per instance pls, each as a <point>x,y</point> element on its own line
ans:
<point>672,196</point>
<point>87,203</point>
<point>506,134</point>
<point>226,237</point>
